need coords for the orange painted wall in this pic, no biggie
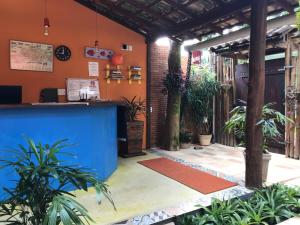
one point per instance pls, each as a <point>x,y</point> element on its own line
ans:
<point>75,26</point>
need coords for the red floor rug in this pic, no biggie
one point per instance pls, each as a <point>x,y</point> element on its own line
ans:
<point>193,178</point>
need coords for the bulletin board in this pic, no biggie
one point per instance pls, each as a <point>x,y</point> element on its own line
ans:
<point>77,87</point>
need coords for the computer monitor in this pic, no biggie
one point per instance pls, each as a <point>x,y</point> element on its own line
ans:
<point>10,94</point>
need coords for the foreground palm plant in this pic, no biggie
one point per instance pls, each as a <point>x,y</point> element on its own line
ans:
<point>40,196</point>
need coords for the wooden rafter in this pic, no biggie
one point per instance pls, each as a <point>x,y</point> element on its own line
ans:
<point>148,6</point>
<point>210,16</point>
<point>143,31</point>
<point>147,9</point>
<point>192,16</point>
<point>284,4</point>
<point>127,14</point>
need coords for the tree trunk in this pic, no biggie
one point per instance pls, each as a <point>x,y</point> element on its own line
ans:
<point>254,140</point>
<point>174,101</point>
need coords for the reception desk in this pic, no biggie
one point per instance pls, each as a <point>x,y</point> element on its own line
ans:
<point>90,128</point>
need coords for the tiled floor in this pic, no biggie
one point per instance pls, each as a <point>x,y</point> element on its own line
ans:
<point>230,161</point>
<point>143,196</point>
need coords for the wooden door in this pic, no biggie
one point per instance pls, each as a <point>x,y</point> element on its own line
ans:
<point>274,89</point>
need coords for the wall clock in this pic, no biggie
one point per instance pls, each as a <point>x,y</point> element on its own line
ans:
<point>62,53</point>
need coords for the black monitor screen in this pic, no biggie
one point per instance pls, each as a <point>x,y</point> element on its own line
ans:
<point>10,94</point>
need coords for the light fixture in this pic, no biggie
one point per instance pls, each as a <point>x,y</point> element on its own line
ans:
<point>46,21</point>
<point>96,41</point>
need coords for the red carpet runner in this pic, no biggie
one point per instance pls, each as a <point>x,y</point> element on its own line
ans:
<point>193,178</point>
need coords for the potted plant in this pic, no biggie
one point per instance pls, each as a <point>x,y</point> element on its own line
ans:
<point>40,195</point>
<point>134,127</point>
<point>270,122</point>
<point>185,139</point>
<point>201,90</point>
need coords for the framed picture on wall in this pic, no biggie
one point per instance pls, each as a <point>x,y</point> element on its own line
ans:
<point>31,56</point>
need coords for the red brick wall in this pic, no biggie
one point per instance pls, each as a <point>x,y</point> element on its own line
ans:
<point>159,66</point>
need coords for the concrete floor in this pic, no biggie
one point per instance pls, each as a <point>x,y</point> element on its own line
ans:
<point>230,161</point>
<point>136,190</point>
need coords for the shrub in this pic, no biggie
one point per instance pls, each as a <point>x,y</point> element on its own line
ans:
<point>200,92</point>
<point>268,206</point>
<point>40,196</point>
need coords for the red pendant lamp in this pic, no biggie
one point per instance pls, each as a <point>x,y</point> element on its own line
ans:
<point>46,21</point>
<point>96,41</point>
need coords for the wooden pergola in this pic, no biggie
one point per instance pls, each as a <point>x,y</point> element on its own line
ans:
<point>185,19</point>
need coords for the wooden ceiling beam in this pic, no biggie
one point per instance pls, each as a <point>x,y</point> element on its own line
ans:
<point>144,8</point>
<point>127,14</point>
<point>285,5</point>
<point>148,6</point>
<point>210,16</point>
<point>243,18</point>
<point>91,6</point>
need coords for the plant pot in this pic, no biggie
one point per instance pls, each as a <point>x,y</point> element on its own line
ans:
<point>135,130</point>
<point>266,159</point>
<point>184,145</point>
<point>205,139</point>
<point>265,167</point>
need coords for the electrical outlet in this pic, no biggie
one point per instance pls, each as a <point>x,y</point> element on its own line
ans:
<point>126,47</point>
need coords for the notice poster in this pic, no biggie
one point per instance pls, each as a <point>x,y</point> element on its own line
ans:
<point>93,69</point>
<point>31,56</point>
<point>78,89</point>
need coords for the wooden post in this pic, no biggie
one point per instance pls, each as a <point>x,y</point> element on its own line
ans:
<point>288,61</point>
<point>174,100</point>
<point>255,94</point>
<point>297,122</point>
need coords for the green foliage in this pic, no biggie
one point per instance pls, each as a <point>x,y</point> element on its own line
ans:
<point>40,196</point>
<point>298,18</point>
<point>173,83</point>
<point>267,206</point>
<point>134,108</point>
<point>200,92</point>
<point>270,122</point>
<point>185,137</point>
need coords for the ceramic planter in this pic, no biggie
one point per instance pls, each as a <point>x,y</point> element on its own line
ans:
<point>265,167</point>
<point>205,139</point>
<point>184,145</point>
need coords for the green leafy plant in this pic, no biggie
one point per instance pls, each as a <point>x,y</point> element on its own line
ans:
<point>298,18</point>
<point>134,108</point>
<point>173,83</point>
<point>268,206</point>
<point>200,92</point>
<point>40,196</point>
<point>270,122</point>
<point>185,137</point>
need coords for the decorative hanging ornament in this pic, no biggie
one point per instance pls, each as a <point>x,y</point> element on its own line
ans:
<point>46,21</point>
<point>46,26</point>
<point>96,41</point>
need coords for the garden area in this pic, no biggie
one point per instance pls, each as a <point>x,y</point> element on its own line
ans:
<point>204,130</point>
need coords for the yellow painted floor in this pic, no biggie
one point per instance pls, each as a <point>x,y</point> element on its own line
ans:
<point>136,190</point>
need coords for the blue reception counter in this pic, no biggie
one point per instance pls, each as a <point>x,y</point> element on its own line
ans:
<point>92,128</point>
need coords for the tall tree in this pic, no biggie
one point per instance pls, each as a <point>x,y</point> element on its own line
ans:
<point>173,84</point>
<point>256,92</point>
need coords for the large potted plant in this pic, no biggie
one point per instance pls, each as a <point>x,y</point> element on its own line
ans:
<point>134,127</point>
<point>270,122</point>
<point>40,194</point>
<point>201,90</point>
